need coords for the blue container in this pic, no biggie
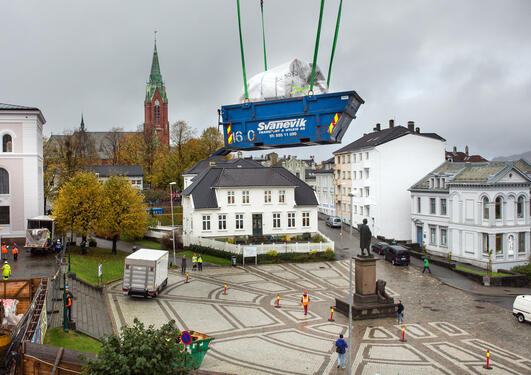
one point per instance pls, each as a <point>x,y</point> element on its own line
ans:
<point>291,122</point>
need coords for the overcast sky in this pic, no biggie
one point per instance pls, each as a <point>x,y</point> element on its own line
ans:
<point>460,68</point>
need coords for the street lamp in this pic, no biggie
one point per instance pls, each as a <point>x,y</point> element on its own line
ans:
<point>172,224</point>
<point>64,270</point>
<point>350,292</point>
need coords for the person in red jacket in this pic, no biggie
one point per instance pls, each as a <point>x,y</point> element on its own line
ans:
<point>4,251</point>
<point>305,301</point>
<point>14,249</point>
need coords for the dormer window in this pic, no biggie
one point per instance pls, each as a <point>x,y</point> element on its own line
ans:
<point>7,143</point>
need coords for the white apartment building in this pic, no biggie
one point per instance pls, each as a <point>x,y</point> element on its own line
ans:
<point>133,173</point>
<point>21,173</point>
<point>378,170</point>
<point>325,190</point>
<point>234,200</point>
<point>473,211</point>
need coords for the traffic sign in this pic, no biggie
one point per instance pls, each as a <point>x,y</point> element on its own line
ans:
<point>186,338</point>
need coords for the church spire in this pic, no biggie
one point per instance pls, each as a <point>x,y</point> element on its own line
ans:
<point>82,125</point>
<point>155,76</point>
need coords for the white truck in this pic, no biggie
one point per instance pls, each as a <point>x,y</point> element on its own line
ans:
<point>145,273</point>
<point>522,308</point>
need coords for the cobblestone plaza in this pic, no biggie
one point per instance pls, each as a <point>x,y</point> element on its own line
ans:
<point>448,331</point>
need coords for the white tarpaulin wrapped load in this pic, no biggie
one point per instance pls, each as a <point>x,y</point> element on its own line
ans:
<point>36,237</point>
<point>285,81</point>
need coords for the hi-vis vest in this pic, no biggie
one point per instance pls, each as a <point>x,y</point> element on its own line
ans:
<point>305,300</point>
<point>4,249</point>
<point>200,260</point>
<point>15,250</point>
<point>194,259</point>
<point>6,270</point>
<point>68,301</point>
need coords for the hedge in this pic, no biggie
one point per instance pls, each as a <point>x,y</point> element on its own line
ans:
<point>524,270</point>
<point>269,257</point>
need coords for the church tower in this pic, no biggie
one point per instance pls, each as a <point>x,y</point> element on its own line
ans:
<point>156,104</point>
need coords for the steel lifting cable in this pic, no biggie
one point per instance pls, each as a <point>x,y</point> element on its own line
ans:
<point>335,41</point>
<point>241,49</point>
<point>263,33</point>
<point>317,45</point>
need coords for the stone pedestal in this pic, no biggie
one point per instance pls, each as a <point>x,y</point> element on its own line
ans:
<point>365,301</point>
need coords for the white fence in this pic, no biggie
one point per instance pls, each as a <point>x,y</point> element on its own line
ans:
<point>261,248</point>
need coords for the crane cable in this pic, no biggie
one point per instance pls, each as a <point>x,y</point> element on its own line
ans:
<point>263,33</point>
<point>316,46</point>
<point>241,49</point>
<point>335,41</point>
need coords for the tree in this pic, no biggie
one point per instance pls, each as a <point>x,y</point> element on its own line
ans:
<point>51,171</point>
<point>111,144</point>
<point>212,139</point>
<point>141,351</point>
<point>181,132</point>
<point>122,211</point>
<point>131,150</point>
<point>77,208</point>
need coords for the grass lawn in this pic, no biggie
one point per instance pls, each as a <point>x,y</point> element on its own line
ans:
<point>206,258</point>
<point>86,266</point>
<point>477,272</point>
<point>71,340</point>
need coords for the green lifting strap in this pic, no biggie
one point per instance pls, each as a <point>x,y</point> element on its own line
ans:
<point>241,49</point>
<point>263,33</point>
<point>317,44</point>
<point>335,41</point>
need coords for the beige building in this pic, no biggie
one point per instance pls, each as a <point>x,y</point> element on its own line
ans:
<point>343,184</point>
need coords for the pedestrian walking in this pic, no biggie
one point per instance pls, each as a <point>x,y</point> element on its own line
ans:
<point>400,312</point>
<point>194,262</point>
<point>200,262</point>
<point>183,264</point>
<point>133,249</point>
<point>58,246</point>
<point>6,271</point>
<point>305,301</point>
<point>426,265</point>
<point>365,238</point>
<point>14,249</point>
<point>341,348</point>
<point>68,306</point>
<point>4,251</point>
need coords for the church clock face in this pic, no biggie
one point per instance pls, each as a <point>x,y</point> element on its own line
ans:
<point>157,102</point>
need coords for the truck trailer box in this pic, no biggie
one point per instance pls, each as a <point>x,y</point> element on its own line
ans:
<point>145,272</point>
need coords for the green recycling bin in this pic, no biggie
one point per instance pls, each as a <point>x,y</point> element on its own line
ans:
<point>198,349</point>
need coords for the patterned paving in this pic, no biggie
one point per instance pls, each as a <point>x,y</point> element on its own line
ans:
<point>254,337</point>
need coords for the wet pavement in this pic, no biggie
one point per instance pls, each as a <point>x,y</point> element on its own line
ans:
<point>32,265</point>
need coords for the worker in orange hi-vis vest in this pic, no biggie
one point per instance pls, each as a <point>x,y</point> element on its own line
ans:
<point>4,251</point>
<point>14,249</point>
<point>305,300</point>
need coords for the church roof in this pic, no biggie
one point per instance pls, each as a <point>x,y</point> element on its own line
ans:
<point>155,79</point>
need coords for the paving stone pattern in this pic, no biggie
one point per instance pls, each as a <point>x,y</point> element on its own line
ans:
<point>447,330</point>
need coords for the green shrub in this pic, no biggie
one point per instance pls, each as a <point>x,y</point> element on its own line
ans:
<point>273,253</point>
<point>449,256</point>
<point>316,238</point>
<point>329,253</point>
<point>524,270</point>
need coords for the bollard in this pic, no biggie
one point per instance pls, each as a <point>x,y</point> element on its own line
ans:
<point>331,314</point>
<point>278,301</point>
<point>225,291</point>
<point>488,367</point>
<point>403,339</point>
<point>186,281</point>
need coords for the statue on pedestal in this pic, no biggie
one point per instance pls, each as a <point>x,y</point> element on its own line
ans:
<point>365,239</point>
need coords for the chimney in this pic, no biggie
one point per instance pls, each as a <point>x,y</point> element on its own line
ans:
<point>455,150</point>
<point>466,150</point>
<point>240,154</point>
<point>377,128</point>
<point>391,123</point>
<point>411,126</point>
<point>417,130</point>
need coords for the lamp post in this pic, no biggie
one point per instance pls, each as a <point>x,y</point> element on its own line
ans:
<point>64,270</point>
<point>172,225</point>
<point>350,293</point>
<point>69,253</point>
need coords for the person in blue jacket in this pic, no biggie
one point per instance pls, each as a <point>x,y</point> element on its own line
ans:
<point>341,348</point>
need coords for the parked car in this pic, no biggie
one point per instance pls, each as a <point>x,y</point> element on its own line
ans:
<point>397,255</point>
<point>334,222</point>
<point>522,308</point>
<point>379,247</point>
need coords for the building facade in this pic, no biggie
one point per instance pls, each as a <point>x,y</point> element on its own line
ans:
<point>133,173</point>
<point>478,212</point>
<point>325,188</point>
<point>21,168</point>
<point>378,170</point>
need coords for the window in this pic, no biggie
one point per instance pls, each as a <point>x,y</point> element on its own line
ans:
<point>349,175</point>
<point>157,110</point>
<point>366,156</point>
<point>419,208</point>
<point>344,175</point>
<point>444,236</point>
<point>499,244</point>
<point>367,173</point>
<point>353,158</point>
<point>485,237</point>
<point>276,220</point>
<point>239,221</point>
<point>361,210</point>
<point>368,210</point>
<point>367,190</point>
<point>245,196</point>
<point>222,222</point>
<point>361,192</point>
<point>521,242</point>
<point>361,175</point>
<point>432,206</point>
<point>4,181</point>
<point>4,215</point>
<point>485,208</point>
<point>7,143</point>
<point>355,209</point>
<point>498,208</point>
<point>443,206</point>
<point>433,235</point>
<point>349,158</point>
<point>359,156</point>
<point>337,159</point>
<point>520,207</point>
<point>291,219</point>
<point>206,222</point>
<point>281,196</point>
<point>267,196</point>
<point>230,197</point>
<point>305,219</point>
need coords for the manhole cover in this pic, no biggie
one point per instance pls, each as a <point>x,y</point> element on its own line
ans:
<point>322,267</point>
<point>479,307</point>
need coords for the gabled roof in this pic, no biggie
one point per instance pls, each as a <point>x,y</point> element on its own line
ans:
<point>117,170</point>
<point>459,156</point>
<point>14,107</point>
<point>377,138</point>
<point>218,160</point>
<point>203,186</point>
